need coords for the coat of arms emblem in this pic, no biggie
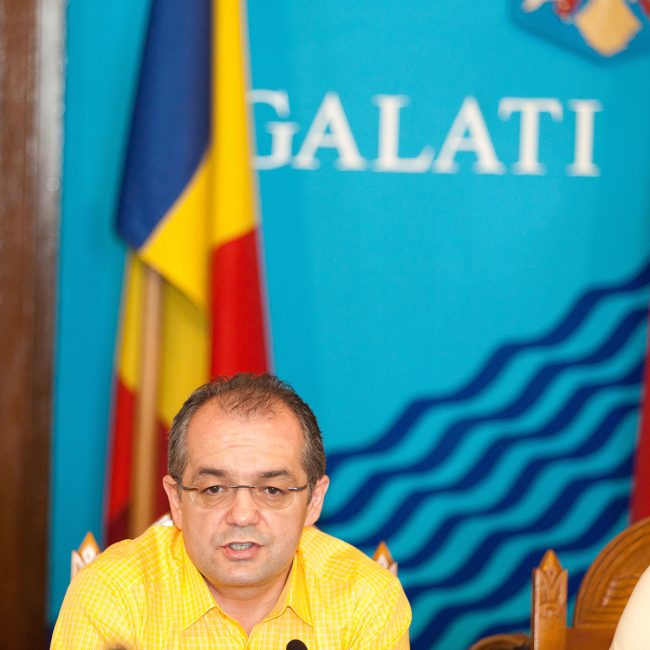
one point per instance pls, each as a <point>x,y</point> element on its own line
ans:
<point>604,28</point>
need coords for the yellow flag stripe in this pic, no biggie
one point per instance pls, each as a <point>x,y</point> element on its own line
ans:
<point>129,356</point>
<point>233,209</point>
<point>179,246</point>
<point>184,352</point>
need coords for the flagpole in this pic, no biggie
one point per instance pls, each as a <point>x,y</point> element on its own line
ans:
<point>143,468</point>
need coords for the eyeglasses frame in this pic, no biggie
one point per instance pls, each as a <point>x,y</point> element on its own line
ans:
<point>187,488</point>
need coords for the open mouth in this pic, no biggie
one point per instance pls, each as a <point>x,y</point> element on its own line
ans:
<point>241,550</point>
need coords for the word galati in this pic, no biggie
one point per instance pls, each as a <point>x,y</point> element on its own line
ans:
<point>468,132</point>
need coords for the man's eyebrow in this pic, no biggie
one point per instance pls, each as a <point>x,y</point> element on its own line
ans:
<point>277,473</point>
<point>222,474</point>
<point>209,471</point>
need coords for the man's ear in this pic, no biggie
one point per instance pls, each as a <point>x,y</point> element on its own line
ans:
<point>315,504</point>
<point>174,497</point>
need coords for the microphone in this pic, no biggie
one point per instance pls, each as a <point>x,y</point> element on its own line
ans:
<point>296,644</point>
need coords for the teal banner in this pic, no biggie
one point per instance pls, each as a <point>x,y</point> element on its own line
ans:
<point>455,207</point>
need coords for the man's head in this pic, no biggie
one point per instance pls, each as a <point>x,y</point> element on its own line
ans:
<point>247,395</point>
<point>245,431</point>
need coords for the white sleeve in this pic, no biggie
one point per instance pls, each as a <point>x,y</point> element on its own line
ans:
<point>633,631</point>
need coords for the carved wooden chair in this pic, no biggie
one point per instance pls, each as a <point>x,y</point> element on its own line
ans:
<point>602,596</point>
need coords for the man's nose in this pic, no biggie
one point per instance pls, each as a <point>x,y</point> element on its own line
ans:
<point>243,510</point>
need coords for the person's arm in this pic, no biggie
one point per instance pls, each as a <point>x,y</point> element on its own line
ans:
<point>384,620</point>
<point>633,631</point>
<point>94,616</point>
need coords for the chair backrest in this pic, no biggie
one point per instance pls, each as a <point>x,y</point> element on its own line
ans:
<point>608,583</point>
<point>602,595</point>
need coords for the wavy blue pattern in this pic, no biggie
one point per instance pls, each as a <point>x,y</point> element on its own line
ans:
<point>488,463</point>
<point>574,556</point>
<point>352,476</point>
<point>469,532</point>
<point>498,475</point>
<point>515,580</point>
<point>545,521</point>
<point>496,364</point>
<point>530,393</point>
<point>517,491</point>
<point>519,446</point>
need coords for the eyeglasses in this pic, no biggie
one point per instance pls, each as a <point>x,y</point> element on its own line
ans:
<point>212,497</point>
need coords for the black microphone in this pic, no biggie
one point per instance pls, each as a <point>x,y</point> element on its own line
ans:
<point>296,644</point>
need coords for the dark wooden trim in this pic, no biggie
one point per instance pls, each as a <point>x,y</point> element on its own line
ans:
<point>28,248</point>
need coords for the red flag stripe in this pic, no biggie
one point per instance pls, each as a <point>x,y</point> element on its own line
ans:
<point>238,319</point>
<point>641,491</point>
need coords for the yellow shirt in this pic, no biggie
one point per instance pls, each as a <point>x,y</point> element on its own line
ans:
<point>146,594</point>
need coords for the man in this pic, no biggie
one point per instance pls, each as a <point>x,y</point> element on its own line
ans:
<point>243,566</point>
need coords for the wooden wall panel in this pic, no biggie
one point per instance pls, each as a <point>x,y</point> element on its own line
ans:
<point>28,236</point>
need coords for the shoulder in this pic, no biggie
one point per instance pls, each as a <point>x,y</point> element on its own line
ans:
<point>329,560</point>
<point>331,555</point>
<point>148,558</point>
<point>633,632</point>
<point>368,600</point>
<point>105,602</point>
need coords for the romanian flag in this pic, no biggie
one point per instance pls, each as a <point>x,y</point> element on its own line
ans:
<point>193,303</point>
<point>641,491</point>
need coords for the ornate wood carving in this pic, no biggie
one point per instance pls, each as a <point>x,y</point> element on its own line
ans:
<point>611,578</point>
<point>383,555</point>
<point>550,583</point>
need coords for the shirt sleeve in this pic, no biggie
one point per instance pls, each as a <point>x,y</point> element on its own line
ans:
<point>633,631</point>
<point>94,615</point>
<point>384,617</point>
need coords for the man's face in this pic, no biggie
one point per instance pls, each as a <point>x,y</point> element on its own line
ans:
<point>241,546</point>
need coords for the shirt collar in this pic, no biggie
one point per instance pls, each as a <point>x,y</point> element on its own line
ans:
<point>295,594</point>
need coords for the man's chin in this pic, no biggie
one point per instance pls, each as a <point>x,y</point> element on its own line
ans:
<point>237,580</point>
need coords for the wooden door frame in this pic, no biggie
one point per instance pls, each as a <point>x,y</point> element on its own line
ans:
<point>31,73</point>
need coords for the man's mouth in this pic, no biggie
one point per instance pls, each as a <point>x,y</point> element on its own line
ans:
<point>241,551</point>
